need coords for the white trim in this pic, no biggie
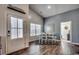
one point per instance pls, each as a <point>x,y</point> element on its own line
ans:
<point>71,42</point>
<point>75,43</point>
<point>70,31</point>
<point>66,41</point>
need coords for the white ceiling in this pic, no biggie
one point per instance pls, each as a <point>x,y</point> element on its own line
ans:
<point>55,8</point>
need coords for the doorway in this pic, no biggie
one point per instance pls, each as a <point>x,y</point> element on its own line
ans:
<point>66,31</point>
<point>15,38</point>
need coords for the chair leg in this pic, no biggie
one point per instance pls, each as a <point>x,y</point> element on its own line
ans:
<point>41,41</point>
<point>52,41</point>
<point>47,41</point>
<point>44,41</point>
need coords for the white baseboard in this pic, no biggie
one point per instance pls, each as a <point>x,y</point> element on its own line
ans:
<point>71,42</point>
<point>75,43</point>
<point>32,40</point>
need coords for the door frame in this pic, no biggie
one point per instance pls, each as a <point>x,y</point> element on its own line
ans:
<point>70,31</point>
<point>8,22</point>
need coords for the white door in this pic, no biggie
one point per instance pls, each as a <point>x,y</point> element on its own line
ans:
<point>66,30</point>
<point>15,39</point>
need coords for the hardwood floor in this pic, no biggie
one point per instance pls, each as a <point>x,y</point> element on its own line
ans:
<point>62,48</point>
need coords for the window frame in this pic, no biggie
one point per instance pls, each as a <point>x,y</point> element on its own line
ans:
<point>38,28</point>
<point>36,33</point>
<point>10,28</point>
<point>31,29</point>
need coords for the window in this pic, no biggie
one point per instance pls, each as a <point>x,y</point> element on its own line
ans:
<point>32,29</point>
<point>20,28</point>
<point>16,28</point>
<point>38,29</point>
<point>35,29</point>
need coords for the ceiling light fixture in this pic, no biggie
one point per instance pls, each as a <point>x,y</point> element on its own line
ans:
<point>49,7</point>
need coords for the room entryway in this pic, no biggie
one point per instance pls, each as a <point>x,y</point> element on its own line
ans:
<point>66,31</point>
<point>15,35</point>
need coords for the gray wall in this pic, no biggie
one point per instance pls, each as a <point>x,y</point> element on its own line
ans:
<point>35,18</point>
<point>67,16</point>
